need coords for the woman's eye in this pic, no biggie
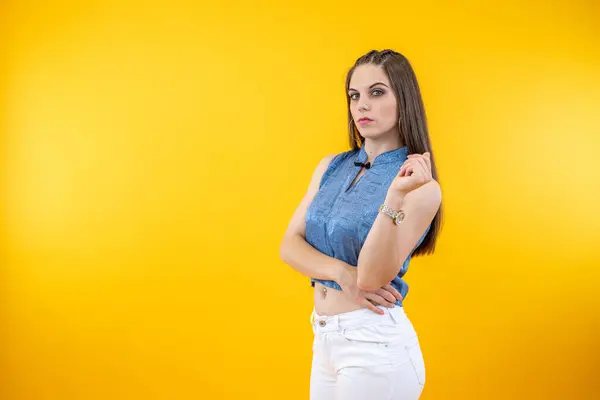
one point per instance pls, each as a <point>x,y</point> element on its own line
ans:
<point>376,92</point>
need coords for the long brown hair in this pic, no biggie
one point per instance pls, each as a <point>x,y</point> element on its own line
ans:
<point>412,120</point>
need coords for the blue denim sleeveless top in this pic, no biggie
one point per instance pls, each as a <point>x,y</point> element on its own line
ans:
<point>340,217</point>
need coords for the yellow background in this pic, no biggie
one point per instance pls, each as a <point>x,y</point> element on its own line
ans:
<point>153,153</point>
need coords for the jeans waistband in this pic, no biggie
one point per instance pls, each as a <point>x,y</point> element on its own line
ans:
<point>355,318</point>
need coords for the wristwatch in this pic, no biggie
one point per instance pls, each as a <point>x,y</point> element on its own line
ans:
<point>397,216</point>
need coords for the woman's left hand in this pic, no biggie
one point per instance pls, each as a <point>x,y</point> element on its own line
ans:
<point>386,296</point>
<point>414,173</point>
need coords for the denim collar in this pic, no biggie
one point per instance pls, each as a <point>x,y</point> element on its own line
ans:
<point>390,156</point>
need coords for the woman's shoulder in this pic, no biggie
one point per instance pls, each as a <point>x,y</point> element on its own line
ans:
<point>338,158</point>
<point>331,162</point>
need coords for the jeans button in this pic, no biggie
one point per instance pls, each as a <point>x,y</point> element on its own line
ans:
<point>322,323</point>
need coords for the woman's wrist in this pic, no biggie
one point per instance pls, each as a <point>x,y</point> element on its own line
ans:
<point>394,200</point>
<point>339,269</point>
<point>346,275</point>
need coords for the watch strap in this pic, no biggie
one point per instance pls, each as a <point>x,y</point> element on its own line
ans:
<point>397,216</point>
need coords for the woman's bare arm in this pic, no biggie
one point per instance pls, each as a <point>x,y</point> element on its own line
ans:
<point>388,245</point>
<point>296,251</point>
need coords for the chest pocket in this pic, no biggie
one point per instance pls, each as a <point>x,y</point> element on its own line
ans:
<point>372,188</point>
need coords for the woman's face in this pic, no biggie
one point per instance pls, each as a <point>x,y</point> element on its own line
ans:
<point>372,102</point>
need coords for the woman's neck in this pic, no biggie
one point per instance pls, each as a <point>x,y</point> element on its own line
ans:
<point>374,147</point>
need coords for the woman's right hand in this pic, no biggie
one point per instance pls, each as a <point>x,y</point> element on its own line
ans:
<point>385,296</point>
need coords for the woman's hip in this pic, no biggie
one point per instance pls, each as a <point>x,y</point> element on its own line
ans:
<point>364,339</point>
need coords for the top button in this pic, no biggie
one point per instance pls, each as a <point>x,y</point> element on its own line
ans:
<point>322,323</point>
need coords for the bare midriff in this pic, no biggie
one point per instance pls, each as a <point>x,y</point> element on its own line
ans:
<point>330,301</point>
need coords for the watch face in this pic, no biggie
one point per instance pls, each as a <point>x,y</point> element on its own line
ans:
<point>399,217</point>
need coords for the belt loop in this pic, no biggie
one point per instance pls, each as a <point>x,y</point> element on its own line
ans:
<point>393,318</point>
<point>343,334</point>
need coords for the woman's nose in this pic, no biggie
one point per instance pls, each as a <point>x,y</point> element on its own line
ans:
<point>364,106</point>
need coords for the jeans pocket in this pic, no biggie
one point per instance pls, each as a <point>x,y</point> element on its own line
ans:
<point>416,358</point>
<point>367,334</point>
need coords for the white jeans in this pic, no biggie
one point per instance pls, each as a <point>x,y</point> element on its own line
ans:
<point>360,355</point>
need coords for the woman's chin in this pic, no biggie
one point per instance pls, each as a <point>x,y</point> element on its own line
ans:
<point>372,134</point>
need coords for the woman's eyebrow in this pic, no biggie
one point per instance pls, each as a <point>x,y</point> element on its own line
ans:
<point>375,84</point>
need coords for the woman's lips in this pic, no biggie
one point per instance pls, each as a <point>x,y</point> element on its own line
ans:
<point>365,121</point>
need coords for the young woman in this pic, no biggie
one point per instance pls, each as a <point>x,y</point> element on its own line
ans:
<point>365,213</point>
